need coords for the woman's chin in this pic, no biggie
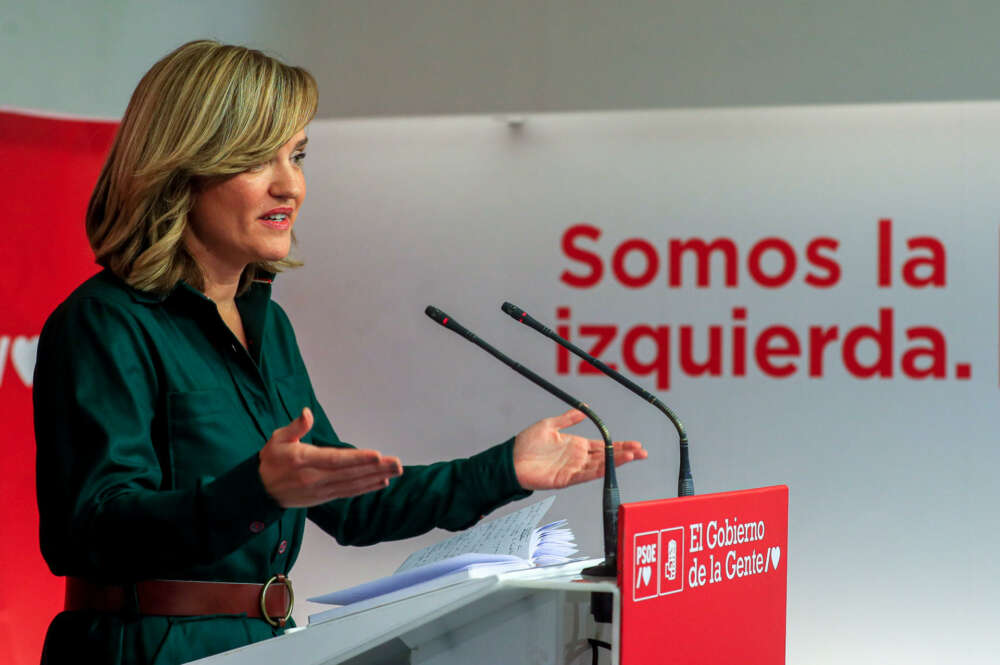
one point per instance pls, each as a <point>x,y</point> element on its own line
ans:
<point>275,252</point>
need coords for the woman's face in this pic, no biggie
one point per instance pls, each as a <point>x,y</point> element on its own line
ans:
<point>249,216</point>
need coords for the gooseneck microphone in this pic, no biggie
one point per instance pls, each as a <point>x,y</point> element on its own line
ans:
<point>608,568</point>
<point>685,481</point>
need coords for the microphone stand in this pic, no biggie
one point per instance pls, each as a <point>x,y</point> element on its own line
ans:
<point>685,481</point>
<point>612,498</point>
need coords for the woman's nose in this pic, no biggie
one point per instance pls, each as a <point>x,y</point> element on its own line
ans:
<point>287,182</point>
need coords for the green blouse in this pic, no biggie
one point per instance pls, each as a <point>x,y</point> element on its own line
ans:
<point>148,418</point>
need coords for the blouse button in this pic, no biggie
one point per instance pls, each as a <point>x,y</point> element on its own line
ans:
<point>256,527</point>
<point>282,547</point>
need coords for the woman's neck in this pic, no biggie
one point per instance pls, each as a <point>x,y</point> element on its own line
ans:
<point>221,291</point>
<point>220,279</point>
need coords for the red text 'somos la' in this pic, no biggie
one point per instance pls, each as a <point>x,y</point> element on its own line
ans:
<point>925,266</point>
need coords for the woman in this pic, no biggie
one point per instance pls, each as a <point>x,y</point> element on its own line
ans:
<point>180,444</point>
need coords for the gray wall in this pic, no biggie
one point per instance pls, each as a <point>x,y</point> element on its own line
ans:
<point>392,57</point>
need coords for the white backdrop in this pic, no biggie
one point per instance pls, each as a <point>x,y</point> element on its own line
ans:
<point>892,525</point>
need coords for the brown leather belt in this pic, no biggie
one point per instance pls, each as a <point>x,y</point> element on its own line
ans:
<point>271,601</point>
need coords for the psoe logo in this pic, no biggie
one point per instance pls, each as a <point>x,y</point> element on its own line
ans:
<point>646,565</point>
<point>672,566</point>
<point>21,351</point>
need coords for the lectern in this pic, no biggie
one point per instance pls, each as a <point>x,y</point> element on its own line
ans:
<point>701,579</point>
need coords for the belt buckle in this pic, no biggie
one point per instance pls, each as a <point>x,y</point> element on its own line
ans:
<point>287,583</point>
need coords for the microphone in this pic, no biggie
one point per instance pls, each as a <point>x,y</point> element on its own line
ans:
<point>612,499</point>
<point>685,481</point>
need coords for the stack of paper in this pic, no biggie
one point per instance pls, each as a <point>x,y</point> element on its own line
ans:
<point>507,543</point>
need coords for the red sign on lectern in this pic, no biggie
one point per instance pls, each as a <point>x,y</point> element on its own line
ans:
<point>703,578</point>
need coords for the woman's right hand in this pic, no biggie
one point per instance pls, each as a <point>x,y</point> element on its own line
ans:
<point>300,475</point>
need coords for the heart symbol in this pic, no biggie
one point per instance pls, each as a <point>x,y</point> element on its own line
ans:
<point>775,555</point>
<point>23,353</point>
<point>646,573</point>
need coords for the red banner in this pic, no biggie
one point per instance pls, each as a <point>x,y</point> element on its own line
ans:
<point>703,578</point>
<point>50,167</point>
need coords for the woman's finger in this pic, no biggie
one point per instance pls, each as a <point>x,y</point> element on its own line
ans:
<point>296,429</point>
<point>337,459</point>
<point>340,488</point>
<point>568,419</point>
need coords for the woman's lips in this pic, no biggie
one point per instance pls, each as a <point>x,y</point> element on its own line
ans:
<point>279,224</point>
<point>277,218</point>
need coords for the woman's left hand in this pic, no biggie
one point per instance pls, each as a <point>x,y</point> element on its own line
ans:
<point>546,458</point>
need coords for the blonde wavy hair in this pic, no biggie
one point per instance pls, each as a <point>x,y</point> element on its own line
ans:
<point>206,110</point>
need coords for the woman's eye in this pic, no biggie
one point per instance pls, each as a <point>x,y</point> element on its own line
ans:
<point>298,158</point>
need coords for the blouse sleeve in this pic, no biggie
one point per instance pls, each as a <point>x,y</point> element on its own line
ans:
<point>100,457</point>
<point>450,495</point>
